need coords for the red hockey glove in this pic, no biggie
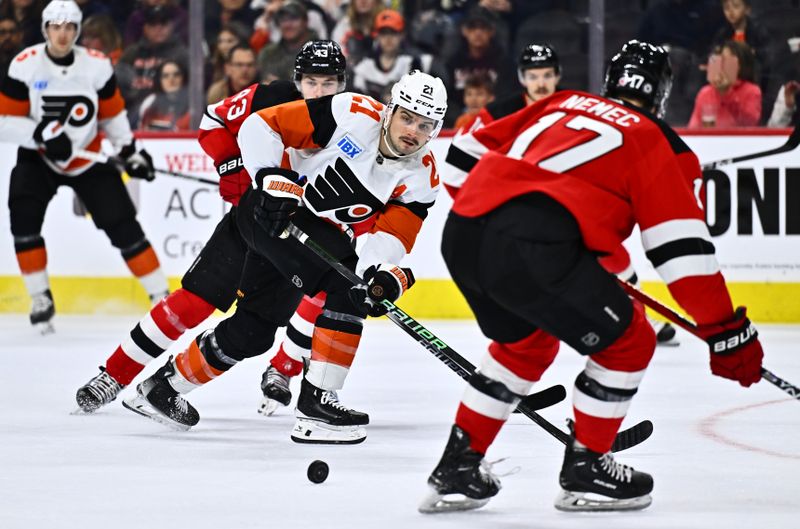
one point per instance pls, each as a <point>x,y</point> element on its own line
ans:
<point>384,282</point>
<point>233,180</point>
<point>735,350</point>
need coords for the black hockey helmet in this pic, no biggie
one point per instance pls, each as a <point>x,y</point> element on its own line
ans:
<point>640,71</point>
<point>321,57</point>
<point>538,56</point>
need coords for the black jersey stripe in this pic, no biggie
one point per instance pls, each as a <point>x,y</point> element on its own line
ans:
<point>420,209</point>
<point>15,89</point>
<point>321,112</point>
<point>109,88</point>
<point>679,248</point>
<point>460,159</point>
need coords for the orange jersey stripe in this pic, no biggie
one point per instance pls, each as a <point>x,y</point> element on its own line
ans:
<point>335,347</point>
<point>33,260</point>
<point>400,222</point>
<point>143,263</point>
<point>14,107</point>
<point>293,122</point>
<point>108,108</point>
<point>77,163</point>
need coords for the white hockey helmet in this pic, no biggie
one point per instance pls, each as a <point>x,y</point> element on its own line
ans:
<point>422,94</point>
<point>60,11</point>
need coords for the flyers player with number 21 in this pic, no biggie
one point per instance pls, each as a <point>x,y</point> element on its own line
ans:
<point>550,188</point>
<point>349,160</point>
<point>57,98</point>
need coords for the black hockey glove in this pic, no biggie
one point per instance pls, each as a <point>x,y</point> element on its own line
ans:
<point>280,193</point>
<point>55,142</point>
<point>138,164</point>
<point>384,282</point>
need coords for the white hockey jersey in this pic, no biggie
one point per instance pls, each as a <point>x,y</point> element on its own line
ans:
<point>333,141</point>
<point>81,93</point>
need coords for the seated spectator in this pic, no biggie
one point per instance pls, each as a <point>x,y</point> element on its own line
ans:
<point>477,54</point>
<point>731,99</point>
<point>232,34</point>
<point>505,16</point>
<point>389,61</point>
<point>27,13</point>
<point>784,113</point>
<point>135,22</point>
<point>98,32</point>
<point>276,60</point>
<point>221,12</point>
<point>478,92</point>
<point>742,28</point>
<point>353,31</point>
<point>266,29</point>
<point>10,43</point>
<point>432,31</point>
<point>167,109</point>
<point>240,72</point>
<point>136,69</point>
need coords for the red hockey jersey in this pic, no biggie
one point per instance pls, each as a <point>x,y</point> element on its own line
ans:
<point>612,166</point>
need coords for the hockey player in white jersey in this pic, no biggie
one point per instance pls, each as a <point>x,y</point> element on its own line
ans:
<point>350,160</point>
<point>55,100</point>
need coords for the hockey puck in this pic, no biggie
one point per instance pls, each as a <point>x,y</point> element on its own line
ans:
<point>317,471</point>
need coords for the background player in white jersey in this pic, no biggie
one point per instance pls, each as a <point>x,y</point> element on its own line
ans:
<point>56,99</point>
<point>359,161</point>
<point>211,282</point>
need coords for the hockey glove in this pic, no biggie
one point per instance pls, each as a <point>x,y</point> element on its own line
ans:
<point>735,350</point>
<point>138,164</point>
<point>384,282</point>
<point>55,142</point>
<point>281,191</point>
<point>233,180</point>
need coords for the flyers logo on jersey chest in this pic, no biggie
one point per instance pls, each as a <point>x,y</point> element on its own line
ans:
<point>339,190</point>
<point>71,110</point>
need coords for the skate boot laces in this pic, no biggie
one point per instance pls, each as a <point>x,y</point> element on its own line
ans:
<point>276,378</point>
<point>488,468</point>
<point>617,471</point>
<point>105,387</point>
<point>332,399</point>
<point>40,303</point>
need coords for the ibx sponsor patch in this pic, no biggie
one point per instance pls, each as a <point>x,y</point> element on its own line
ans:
<point>349,147</point>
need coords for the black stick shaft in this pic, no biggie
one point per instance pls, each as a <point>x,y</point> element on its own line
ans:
<point>689,326</point>
<point>791,143</point>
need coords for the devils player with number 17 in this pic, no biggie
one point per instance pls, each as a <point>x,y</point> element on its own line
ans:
<point>53,101</point>
<point>550,188</point>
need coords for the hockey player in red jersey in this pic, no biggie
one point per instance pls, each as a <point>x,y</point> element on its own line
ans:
<point>211,282</point>
<point>56,99</point>
<point>539,72</point>
<point>550,188</point>
<point>359,160</point>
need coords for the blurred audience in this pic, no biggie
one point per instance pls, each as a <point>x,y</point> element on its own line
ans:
<point>353,32</point>
<point>784,112</point>
<point>10,43</point>
<point>240,72</point>
<point>232,34</point>
<point>167,109</point>
<point>27,13</point>
<point>218,13</point>
<point>731,98</point>
<point>276,60</point>
<point>266,28</point>
<point>390,59</point>
<point>98,32</point>
<point>478,92</point>
<point>135,22</point>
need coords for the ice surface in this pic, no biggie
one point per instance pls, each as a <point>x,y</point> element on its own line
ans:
<point>721,455</point>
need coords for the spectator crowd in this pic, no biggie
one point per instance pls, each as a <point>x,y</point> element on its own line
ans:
<point>735,62</point>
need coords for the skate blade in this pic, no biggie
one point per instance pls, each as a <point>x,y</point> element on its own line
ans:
<point>435,503</point>
<point>268,406</point>
<point>44,328</point>
<point>315,432</point>
<point>591,502</point>
<point>139,404</point>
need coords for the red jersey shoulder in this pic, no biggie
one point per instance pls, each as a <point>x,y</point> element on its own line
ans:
<point>234,109</point>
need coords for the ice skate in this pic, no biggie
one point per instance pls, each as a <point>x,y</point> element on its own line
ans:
<point>42,312</point>
<point>461,481</point>
<point>595,482</point>
<point>275,386</point>
<point>665,333</point>
<point>98,392</point>
<point>322,419</point>
<point>156,399</point>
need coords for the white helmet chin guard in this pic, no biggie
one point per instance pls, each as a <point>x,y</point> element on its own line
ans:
<point>422,94</point>
<point>59,12</point>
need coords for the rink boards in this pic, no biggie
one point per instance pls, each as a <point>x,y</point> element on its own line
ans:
<point>753,215</point>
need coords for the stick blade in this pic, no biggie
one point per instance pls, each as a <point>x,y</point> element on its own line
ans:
<point>633,436</point>
<point>545,398</point>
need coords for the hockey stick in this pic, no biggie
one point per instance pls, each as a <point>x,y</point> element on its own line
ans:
<point>436,346</point>
<point>103,158</point>
<point>682,322</point>
<point>791,143</point>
